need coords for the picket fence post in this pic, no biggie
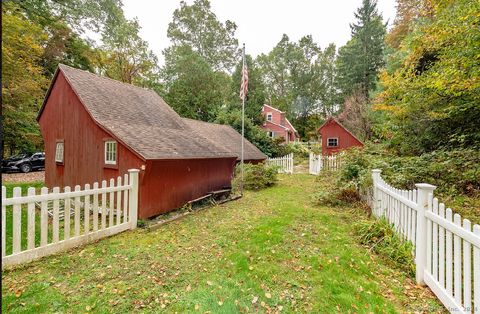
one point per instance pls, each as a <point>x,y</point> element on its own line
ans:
<point>133,197</point>
<point>376,178</point>
<point>421,245</point>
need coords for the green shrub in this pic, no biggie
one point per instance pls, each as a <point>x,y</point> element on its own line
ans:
<point>298,150</point>
<point>329,193</point>
<point>382,239</point>
<point>256,177</point>
<point>453,172</point>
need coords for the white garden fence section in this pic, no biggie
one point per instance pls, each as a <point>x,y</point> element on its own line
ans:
<point>78,217</point>
<point>447,248</point>
<point>284,164</point>
<point>318,162</point>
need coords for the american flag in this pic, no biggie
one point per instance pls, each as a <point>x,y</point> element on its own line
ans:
<point>244,85</point>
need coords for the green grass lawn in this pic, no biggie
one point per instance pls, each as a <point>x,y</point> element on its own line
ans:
<point>270,251</point>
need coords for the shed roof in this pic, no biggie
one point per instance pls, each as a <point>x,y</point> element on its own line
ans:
<point>332,119</point>
<point>139,118</point>
<point>227,137</point>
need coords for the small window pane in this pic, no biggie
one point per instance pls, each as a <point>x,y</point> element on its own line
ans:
<point>332,142</point>
<point>111,152</point>
<point>59,152</point>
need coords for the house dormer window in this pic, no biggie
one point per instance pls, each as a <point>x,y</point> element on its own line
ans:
<point>110,152</point>
<point>269,116</point>
<point>332,142</point>
<point>59,152</point>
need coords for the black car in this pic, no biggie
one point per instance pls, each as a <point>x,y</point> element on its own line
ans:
<point>24,162</point>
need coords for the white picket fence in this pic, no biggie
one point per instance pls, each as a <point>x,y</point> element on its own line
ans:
<point>97,212</point>
<point>284,164</point>
<point>447,248</point>
<point>318,162</point>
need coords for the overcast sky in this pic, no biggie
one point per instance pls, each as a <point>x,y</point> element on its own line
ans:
<point>260,23</point>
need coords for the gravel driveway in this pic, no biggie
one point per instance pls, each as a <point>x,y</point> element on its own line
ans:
<point>34,176</point>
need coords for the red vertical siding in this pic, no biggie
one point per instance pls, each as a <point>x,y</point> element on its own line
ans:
<point>64,117</point>
<point>164,185</point>
<point>169,184</point>
<point>334,130</point>
<point>278,124</point>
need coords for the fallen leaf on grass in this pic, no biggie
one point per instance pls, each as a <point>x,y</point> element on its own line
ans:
<point>268,295</point>
<point>255,299</point>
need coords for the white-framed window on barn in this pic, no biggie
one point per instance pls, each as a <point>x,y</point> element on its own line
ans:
<point>269,116</point>
<point>271,134</point>
<point>332,141</point>
<point>110,152</point>
<point>59,152</point>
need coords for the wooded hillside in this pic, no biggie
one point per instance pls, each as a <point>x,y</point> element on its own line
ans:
<point>415,87</point>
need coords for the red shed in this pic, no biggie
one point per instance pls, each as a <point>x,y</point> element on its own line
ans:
<point>335,137</point>
<point>96,128</point>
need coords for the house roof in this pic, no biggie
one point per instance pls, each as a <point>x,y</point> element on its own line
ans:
<point>138,118</point>
<point>227,137</point>
<point>330,119</point>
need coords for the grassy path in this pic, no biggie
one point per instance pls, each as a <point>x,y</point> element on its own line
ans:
<point>270,251</point>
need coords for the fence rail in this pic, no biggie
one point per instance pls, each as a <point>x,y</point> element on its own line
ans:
<point>284,164</point>
<point>77,217</point>
<point>318,163</point>
<point>447,248</point>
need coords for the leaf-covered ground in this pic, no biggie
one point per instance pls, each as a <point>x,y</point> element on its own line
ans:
<point>271,251</point>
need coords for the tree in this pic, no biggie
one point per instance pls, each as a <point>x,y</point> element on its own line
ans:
<point>432,97</point>
<point>193,88</point>
<point>126,56</point>
<point>356,115</point>
<point>299,80</point>
<point>253,133</point>
<point>65,46</point>
<point>23,84</point>
<point>408,13</point>
<point>328,93</point>
<point>198,27</point>
<point>256,90</point>
<point>77,14</point>
<point>360,60</point>
<point>275,70</point>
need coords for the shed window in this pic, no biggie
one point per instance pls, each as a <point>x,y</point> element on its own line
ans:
<point>332,142</point>
<point>59,152</point>
<point>271,134</point>
<point>110,152</point>
<point>269,116</point>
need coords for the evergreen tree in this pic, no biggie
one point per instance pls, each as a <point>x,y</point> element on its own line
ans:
<point>359,61</point>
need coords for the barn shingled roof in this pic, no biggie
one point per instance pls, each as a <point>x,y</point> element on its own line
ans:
<point>139,118</point>
<point>227,137</point>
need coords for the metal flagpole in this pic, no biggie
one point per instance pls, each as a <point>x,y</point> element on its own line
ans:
<point>243,121</point>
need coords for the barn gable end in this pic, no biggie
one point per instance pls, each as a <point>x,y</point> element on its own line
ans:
<point>64,118</point>
<point>334,131</point>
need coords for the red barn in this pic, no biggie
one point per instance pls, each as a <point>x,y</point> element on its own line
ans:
<point>277,125</point>
<point>96,128</point>
<point>336,137</point>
